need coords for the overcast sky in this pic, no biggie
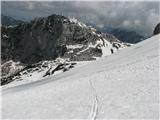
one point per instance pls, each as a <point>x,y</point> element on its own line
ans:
<point>139,16</point>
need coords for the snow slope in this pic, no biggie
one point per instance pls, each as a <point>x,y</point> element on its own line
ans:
<point>121,86</point>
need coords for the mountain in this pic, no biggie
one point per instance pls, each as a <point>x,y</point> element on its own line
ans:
<point>46,39</point>
<point>7,21</point>
<point>157,29</point>
<point>127,35</point>
<point>124,85</point>
<point>122,34</point>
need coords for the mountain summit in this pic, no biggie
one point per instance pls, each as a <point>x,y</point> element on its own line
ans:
<point>53,37</point>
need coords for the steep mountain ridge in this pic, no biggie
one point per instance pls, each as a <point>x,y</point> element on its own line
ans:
<point>52,37</point>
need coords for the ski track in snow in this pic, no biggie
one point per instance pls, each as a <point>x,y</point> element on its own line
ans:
<point>94,109</point>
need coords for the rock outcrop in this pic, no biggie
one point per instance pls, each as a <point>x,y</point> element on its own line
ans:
<point>157,29</point>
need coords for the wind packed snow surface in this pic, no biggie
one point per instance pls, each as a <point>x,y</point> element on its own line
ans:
<point>122,86</point>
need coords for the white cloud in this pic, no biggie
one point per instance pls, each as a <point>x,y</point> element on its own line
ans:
<point>126,23</point>
<point>30,5</point>
<point>137,22</point>
<point>139,16</point>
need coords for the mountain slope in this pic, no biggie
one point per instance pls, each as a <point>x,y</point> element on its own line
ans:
<point>46,39</point>
<point>8,21</point>
<point>125,35</point>
<point>54,36</point>
<point>115,87</point>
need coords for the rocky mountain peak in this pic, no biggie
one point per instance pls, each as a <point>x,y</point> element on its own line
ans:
<point>55,36</point>
<point>48,38</point>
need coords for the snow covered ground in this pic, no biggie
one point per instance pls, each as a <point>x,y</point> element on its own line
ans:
<point>124,85</point>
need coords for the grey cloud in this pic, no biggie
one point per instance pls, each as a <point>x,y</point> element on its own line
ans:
<point>139,16</point>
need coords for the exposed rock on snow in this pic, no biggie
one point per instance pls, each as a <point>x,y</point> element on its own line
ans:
<point>157,29</point>
<point>35,71</point>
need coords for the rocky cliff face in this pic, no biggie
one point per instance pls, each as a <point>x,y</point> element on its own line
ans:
<point>55,37</point>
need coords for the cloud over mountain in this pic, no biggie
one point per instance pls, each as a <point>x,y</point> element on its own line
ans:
<point>139,16</point>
